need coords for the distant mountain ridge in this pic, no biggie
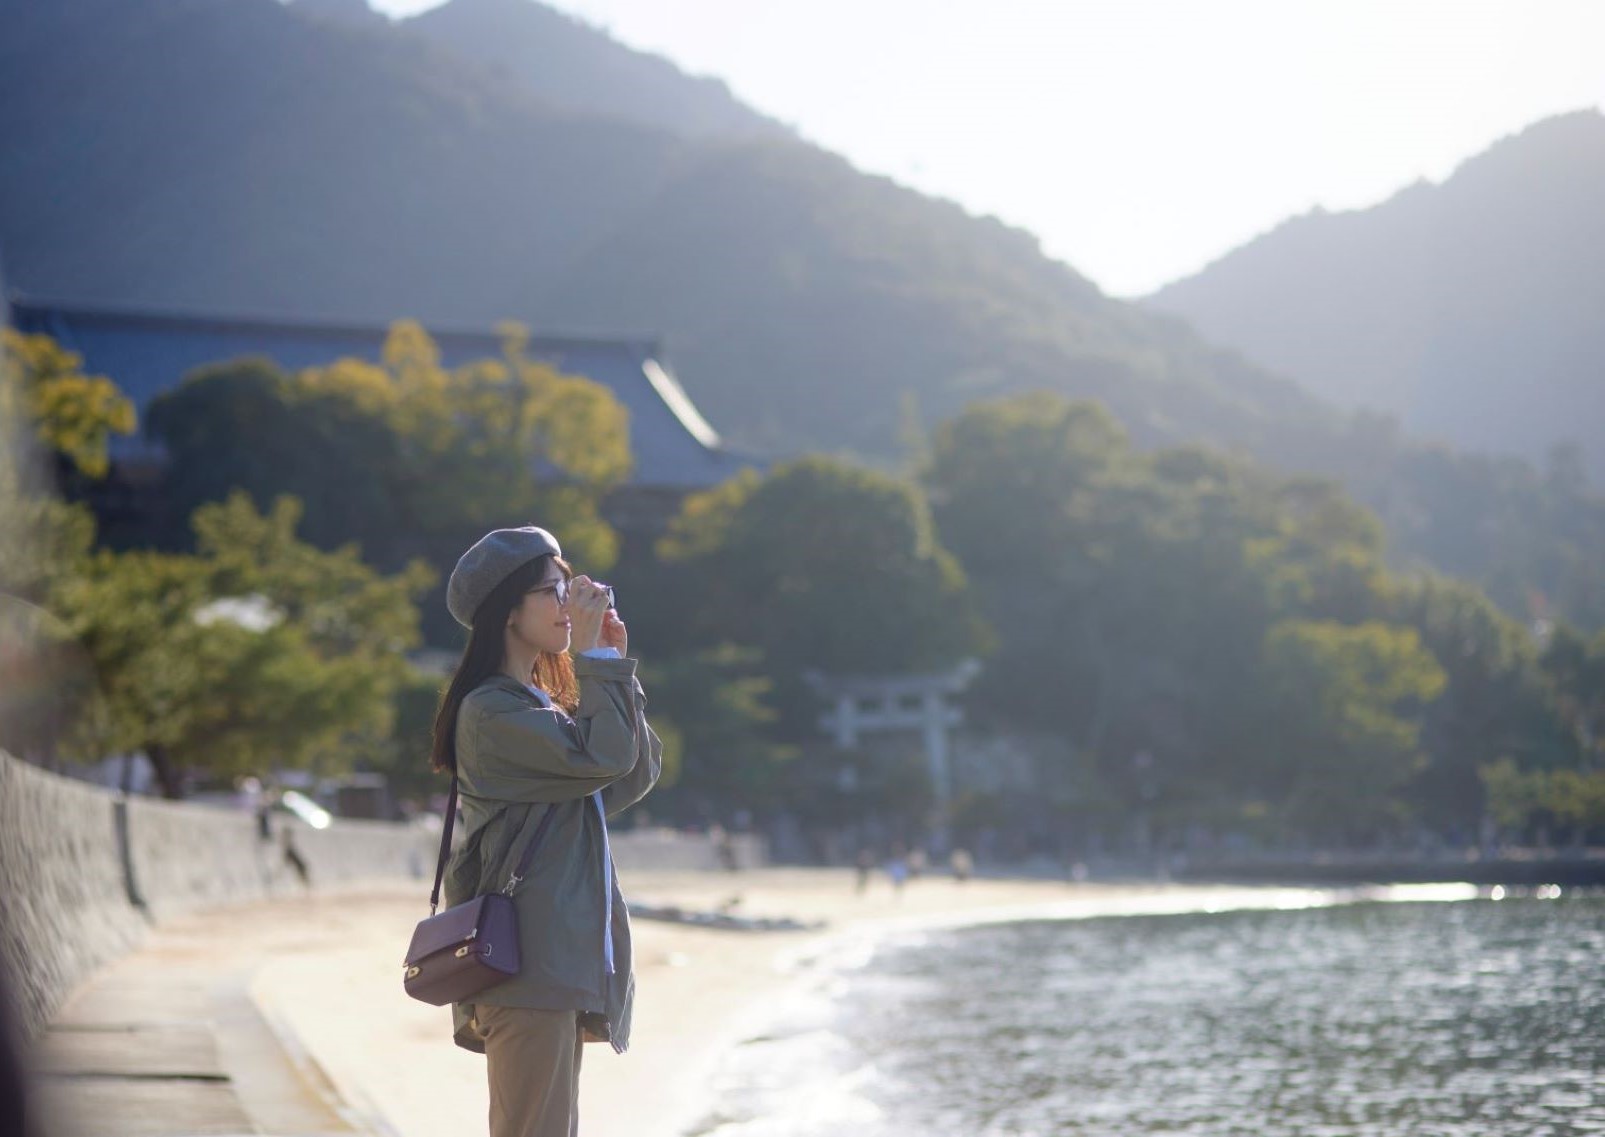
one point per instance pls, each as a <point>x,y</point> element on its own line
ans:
<point>1470,309</point>
<point>242,158</point>
<point>567,64</point>
<point>235,157</point>
<point>352,12</point>
<point>258,161</point>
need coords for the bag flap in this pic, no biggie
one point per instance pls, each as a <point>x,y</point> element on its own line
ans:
<point>453,926</point>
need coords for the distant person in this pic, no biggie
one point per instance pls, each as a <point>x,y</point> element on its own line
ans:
<point>962,865</point>
<point>897,869</point>
<point>917,863</point>
<point>529,731</point>
<point>293,858</point>
<point>724,847</point>
<point>727,854</point>
<point>866,861</point>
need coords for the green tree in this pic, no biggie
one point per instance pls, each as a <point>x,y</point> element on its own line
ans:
<point>1575,668</point>
<point>1514,797</point>
<point>1138,598</point>
<point>48,403</point>
<point>1008,478</point>
<point>822,565</point>
<point>402,753</point>
<point>1014,485</point>
<point>54,421</point>
<point>258,651</point>
<point>1345,737</point>
<point>717,704</point>
<point>1128,610</point>
<point>1576,798</point>
<point>1527,801</point>
<point>1322,558</point>
<point>406,458</point>
<point>1496,702</point>
<point>74,414</point>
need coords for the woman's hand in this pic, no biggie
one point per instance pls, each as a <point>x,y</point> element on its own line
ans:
<point>614,634</point>
<point>587,607</point>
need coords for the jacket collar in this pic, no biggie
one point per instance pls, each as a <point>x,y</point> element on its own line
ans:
<point>504,682</point>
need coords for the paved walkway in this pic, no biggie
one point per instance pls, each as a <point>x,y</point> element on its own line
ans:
<point>287,1018</point>
<point>169,1042</point>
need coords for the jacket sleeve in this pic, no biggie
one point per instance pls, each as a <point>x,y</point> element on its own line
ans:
<point>635,785</point>
<point>519,751</point>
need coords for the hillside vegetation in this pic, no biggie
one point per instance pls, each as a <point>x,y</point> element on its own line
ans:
<point>247,157</point>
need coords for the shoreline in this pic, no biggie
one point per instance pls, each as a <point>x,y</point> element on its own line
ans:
<point>294,1012</point>
<point>701,992</point>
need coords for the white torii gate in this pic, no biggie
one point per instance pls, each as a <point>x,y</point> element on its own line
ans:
<point>899,702</point>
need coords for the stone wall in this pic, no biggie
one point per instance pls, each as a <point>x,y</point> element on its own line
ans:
<point>84,871</point>
<point>186,858</point>
<point>64,909</point>
<point>665,850</point>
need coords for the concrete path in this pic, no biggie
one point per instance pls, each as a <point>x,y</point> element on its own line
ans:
<point>169,1042</point>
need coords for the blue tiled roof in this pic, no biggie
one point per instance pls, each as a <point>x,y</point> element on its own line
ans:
<point>148,352</point>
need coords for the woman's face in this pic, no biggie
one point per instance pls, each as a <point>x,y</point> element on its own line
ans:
<point>541,621</point>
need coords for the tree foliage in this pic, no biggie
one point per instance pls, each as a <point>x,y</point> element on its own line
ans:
<point>1344,730</point>
<point>1526,803</point>
<point>1205,641</point>
<point>48,407</point>
<point>74,414</point>
<point>1225,643</point>
<point>824,565</point>
<point>1575,668</point>
<point>717,704</point>
<point>406,458</point>
<point>256,652</point>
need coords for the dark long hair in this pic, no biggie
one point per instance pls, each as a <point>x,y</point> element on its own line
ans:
<point>482,658</point>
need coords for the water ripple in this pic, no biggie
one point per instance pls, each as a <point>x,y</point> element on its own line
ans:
<point>1469,1019</point>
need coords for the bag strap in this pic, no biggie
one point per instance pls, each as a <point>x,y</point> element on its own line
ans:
<point>529,851</point>
<point>528,858</point>
<point>445,844</point>
<point>518,873</point>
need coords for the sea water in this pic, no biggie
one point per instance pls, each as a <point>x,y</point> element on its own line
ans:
<point>1478,1018</point>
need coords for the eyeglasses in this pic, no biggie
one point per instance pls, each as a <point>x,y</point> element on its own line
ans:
<point>559,590</point>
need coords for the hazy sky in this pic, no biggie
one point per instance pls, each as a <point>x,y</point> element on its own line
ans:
<point>1139,139</point>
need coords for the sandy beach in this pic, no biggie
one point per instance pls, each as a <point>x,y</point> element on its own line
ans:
<point>394,1070</point>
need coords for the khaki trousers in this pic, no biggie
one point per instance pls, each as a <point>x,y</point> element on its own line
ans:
<point>533,1058</point>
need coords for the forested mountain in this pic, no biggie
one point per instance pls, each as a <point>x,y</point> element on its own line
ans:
<point>1470,310</point>
<point>244,157</point>
<point>237,157</point>
<point>567,64</point>
<point>354,12</point>
<point>185,153</point>
<point>808,299</point>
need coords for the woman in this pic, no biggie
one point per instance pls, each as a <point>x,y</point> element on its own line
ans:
<point>527,730</point>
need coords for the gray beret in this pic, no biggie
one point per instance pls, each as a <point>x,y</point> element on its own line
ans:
<point>492,559</point>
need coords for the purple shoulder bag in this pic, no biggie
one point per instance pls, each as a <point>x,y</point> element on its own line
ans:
<point>465,949</point>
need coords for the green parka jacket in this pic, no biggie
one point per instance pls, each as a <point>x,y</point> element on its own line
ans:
<point>517,757</point>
